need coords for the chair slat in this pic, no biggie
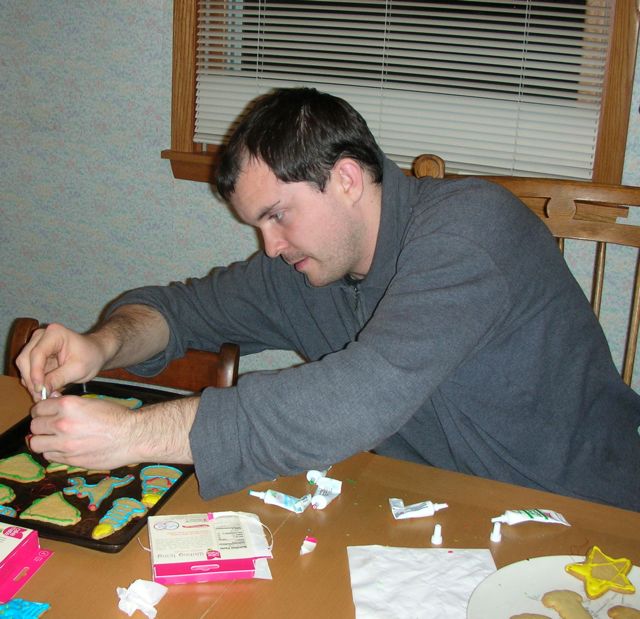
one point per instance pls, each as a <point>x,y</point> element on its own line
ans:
<point>632,333</point>
<point>598,277</point>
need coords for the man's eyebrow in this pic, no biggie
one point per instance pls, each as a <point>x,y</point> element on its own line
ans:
<point>266,211</point>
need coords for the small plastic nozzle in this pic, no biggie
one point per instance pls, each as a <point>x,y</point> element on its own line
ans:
<point>436,538</point>
<point>496,536</point>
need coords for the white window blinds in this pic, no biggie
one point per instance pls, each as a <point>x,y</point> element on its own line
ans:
<point>492,87</point>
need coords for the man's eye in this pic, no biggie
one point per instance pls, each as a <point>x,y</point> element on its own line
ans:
<point>277,216</point>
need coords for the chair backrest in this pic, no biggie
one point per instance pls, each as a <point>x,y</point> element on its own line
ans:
<point>193,372</point>
<point>579,210</point>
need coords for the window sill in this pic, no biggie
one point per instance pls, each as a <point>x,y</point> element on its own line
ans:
<point>201,167</point>
<point>192,166</point>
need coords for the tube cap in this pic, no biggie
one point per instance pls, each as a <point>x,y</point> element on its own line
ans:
<point>318,502</point>
<point>496,536</point>
<point>436,538</point>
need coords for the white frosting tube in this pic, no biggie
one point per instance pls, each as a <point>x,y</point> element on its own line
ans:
<point>328,489</point>
<point>286,501</point>
<point>515,516</point>
<point>401,511</point>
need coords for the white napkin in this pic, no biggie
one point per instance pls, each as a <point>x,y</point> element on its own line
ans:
<point>142,595</point>
<point>415,582</point>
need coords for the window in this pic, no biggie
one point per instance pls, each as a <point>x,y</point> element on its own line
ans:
<point>492,87</point>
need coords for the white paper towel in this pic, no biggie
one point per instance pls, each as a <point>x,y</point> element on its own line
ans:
<point>415,583</point>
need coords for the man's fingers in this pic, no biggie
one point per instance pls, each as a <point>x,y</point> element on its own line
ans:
<point>25,365</point>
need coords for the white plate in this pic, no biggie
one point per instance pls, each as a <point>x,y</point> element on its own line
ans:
<point>519,587</point>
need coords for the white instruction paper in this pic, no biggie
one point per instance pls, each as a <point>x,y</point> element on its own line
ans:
<point>389,582</point>
<point>201,537</point>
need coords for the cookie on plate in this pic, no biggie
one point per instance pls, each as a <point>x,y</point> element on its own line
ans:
<point>602,573</point>
<point>623,612</point>
<point>568,604</point>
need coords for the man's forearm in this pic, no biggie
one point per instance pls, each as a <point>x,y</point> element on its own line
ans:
<point>161,431</point>
<point>132,334</point>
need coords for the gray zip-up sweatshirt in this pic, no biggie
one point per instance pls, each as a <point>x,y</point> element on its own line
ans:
<point>468,346</point>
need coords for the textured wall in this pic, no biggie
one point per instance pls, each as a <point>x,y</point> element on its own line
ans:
<point>88,207</point>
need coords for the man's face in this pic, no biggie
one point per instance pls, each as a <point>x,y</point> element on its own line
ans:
<point>315,232</point>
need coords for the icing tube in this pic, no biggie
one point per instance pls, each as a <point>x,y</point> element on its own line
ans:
<point>515,516</point>
<point>417,510</point>
<point>313,476</point>
<point>293,504</point>
<point>327,490</point>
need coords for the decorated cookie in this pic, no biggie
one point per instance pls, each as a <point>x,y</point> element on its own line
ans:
<point>602,573</point>
<point>156,480</point>
<point>6,494</point>
<point>131,403</point>
<point>121,513</point>
<point>21,468</point>
<point>22,609</point>
<point>6,510</point>
<point>58,467</point>
<point>53,509</point>
<point>568,604</point>
<point>623,612</point>
<point>96,493</point>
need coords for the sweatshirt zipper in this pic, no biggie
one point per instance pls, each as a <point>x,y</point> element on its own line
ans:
<point>358,304</point>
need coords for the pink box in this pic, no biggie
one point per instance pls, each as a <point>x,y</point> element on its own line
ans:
<point>203,571</point>
<point>20,558</point>
<point>190,548</point>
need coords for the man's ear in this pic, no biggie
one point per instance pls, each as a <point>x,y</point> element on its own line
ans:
<point>350,177</point>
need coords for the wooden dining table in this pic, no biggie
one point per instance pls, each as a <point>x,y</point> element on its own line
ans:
<point>81,582</point>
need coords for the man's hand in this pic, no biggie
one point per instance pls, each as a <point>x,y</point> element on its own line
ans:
<point>99,434</point>
<point>57,356</point>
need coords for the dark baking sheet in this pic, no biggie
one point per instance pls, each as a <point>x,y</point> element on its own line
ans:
<point>13,442</point>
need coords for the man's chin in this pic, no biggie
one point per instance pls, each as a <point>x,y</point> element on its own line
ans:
<point>319,281</point>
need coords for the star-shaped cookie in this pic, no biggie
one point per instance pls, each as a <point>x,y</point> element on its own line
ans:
<point>602,573</point>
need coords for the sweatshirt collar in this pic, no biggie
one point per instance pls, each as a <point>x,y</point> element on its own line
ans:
<point>395,213</point>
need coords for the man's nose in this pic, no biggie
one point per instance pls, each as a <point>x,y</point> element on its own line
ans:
<point>274,245</point>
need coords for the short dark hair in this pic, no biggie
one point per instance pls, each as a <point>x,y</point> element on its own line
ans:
<point>299,133</point>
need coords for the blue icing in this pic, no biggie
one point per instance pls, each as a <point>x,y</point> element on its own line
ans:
<point>22,609</point>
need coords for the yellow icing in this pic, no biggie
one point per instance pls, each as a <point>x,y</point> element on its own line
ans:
<point>104,529</point>
<point>150,499</point>
<point>602,573</point>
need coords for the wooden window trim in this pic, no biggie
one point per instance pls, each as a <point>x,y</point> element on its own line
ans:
<point>189,162</point>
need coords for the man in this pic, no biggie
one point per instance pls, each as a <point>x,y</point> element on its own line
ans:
<point>440,322</point>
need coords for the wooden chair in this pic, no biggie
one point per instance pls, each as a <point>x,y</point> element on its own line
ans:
<point>193,372</point>
<point>579,210</point>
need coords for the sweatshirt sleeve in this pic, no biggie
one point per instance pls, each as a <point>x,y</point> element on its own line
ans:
<point>444,300</point>
<point>236,304</point>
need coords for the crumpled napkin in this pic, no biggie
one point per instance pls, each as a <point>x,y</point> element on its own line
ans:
<point>142,595</point>
<point>415,582</point>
